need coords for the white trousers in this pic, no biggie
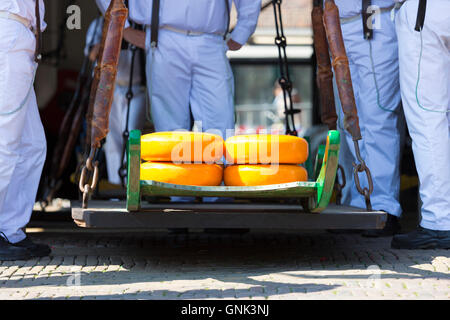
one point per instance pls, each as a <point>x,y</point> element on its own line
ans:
<point>22,137</point>
<point>117,122</point>
<point>190,74</point>
<point>425,89</point>
<point>374,72</point>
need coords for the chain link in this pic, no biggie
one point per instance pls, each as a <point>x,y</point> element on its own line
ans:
<point>362,167</point>
<point>284,80</point>
<point>90,170</point>
<point>126,134</point>
<point>339,186</point>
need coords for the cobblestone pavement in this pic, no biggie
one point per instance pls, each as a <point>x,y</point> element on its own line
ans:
<point>263,265</point>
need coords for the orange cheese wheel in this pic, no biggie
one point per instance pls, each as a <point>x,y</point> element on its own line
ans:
<point>260,175</point>
<point>191,174</point>
<point>179,146</point>
<point>266,149</point>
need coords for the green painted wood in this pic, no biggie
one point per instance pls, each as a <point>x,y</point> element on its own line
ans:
<point>318,161</point>
<point>134,171</point>
<point>316,194</point>
<point>284,190</point>
<point>325,181</point>
<point>309,162</point>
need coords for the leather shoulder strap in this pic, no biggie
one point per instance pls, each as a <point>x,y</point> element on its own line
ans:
<point>368,32</point>
<point>37,53</point>
<point>155,23</point>
<point>421,15</point>
<point>227,5</point>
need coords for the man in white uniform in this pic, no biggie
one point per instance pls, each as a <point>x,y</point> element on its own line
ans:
<point>117,119</point>
<point>22,138</point>
<point>374,72</point>
<point>424,52</point>
<point>188,72</point>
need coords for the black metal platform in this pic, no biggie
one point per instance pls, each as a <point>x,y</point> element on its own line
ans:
<point>112,214</point>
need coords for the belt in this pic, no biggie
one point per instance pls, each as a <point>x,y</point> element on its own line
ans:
<point>188,32</point>
<point>358,16</point>
<point>12,16</point>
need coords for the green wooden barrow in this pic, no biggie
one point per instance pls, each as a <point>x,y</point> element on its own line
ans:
<point>314,195</point>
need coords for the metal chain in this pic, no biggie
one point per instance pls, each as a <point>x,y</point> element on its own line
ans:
<point>89,172</point>
<point>339,186</point>
<point>284,80</point>
<point>362,167</point>
<point>126,134</point>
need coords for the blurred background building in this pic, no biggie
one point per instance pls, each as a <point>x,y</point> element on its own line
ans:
<point>255,66</point>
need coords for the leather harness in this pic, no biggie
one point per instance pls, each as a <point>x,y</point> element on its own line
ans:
<point>155,24</point>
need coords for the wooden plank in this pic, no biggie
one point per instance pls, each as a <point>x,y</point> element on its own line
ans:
<point>327,176</point>
<point>285,190</point>
<point>108,214</point>
<point>134,171</point>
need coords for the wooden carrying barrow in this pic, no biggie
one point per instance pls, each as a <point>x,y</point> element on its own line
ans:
<point>309,210</point>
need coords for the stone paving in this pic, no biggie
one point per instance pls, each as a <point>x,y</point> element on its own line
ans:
<point>257,265</point>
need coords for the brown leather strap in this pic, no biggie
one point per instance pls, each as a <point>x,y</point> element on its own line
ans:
<point>341,69</point>
<point>324,74</point>
<point>368,32</point>
<point>421,15</point>
<point>154,29</point>
<point>37,54</point>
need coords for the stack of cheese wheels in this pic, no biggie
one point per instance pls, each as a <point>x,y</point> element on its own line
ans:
<point>264,159</point>
<point>184,158</point>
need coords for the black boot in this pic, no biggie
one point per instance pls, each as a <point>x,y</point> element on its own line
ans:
<point>392,227</point>
<point>8,252</point>
<point>35,249</point>
<point>422,238</point>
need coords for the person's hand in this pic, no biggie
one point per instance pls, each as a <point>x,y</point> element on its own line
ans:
<point>233,45</point>
<point>93,54</point>
<point>135,37</point>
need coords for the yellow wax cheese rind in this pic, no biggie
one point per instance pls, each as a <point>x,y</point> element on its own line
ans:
<point>194,174</point>
<point>266,149</point>
<point>260,175</point>
<point>179,146</point>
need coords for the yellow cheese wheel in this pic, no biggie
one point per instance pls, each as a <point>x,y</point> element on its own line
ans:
<point>179,146</point>
<point>266,149</point>
<point>260,175</point>
<point>191,174</point>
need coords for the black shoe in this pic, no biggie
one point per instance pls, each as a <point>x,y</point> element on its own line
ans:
<point>392,227</point>
<point>422,238</point>
<point>35,249</point>
<point>9,252</point>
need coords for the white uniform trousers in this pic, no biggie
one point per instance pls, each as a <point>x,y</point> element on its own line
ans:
<point>425,89</point>
<point>117,122</point>
<point>190,73</point>
<point>374,73</point>
<point>22,137</point>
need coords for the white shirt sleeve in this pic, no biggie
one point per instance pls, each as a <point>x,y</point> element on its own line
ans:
<point>94,34</point>
<point>247,19</point>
